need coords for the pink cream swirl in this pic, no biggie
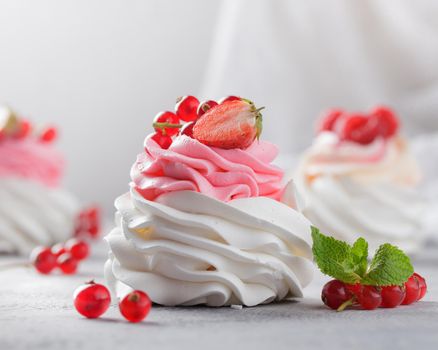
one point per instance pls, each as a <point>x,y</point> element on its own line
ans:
<point>218,173</point>
<point>32,160</point>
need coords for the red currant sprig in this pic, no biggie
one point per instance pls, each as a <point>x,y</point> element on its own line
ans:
<point>338,295</point>
<point>187,111</point>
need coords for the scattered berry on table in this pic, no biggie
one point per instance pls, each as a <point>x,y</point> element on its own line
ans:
<point>92,299</point>
<point>78,249</point>
<point>135,306</point>
<point>43,259</point>
<point>67,263</point>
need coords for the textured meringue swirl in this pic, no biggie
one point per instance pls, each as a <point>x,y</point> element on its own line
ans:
<point>352,190</point>
<point>32,214</point>
<point>187,248</point>
<point>224,174</point>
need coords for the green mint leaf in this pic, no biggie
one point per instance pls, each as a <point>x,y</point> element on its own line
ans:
<point>390,266</point>
<point>359,253</point>
<point>334,258</point>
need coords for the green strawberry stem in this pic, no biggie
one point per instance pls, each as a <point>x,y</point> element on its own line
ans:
<point>259,122</point>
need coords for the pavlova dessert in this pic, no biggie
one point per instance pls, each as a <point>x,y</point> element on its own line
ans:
<point>208,218</point>
<point>359,179</point>
<point>34,210</point>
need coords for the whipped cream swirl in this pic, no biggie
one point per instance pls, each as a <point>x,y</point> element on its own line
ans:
<point>224,174</point>
<point>32,214</point>
<point>352,190</point>
<point>187,248</point>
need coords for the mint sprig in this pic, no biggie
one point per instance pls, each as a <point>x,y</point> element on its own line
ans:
<point>349,264</point>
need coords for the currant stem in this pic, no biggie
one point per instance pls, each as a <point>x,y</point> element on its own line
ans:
<point>345,304</point>
<point>166,125</point>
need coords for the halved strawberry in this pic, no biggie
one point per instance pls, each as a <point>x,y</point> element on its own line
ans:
<point>232,124</point>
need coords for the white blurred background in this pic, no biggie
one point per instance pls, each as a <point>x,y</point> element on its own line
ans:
<point>101,70</point>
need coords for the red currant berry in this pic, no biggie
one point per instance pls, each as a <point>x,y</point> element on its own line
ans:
<point>89,221</point>
<point>24,129</point>
<point>422,284</point>
<point>335,293</point>
<point>93,214</point>
<point>163,141</point>
<point>94,230</point>
<point>48,135</point>
<point>135,306</point>
<point>67,264</point>
<point>369,298</point>
<point>78,249</point>
<point>205,106</point>
<point>358,128</point>
<point>386,120</point>
<point>167,118</point>
<point>354,288</point>
<point>229,98</point>
<point>328,120</point>
<point>58,249</point>
<point>91,299</point>
<point>43,259</point>
<point>186,108</point>
<point>392,296</point>
<point>187,129</point>
<point>412,290</point>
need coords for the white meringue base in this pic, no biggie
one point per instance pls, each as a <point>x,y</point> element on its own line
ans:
<point>32,214</point>
<point>188,249</point>
<point>381,212</point>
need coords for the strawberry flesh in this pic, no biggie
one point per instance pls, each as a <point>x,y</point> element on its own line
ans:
<point>232,124</point>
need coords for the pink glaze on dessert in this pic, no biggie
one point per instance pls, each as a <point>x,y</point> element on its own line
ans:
<point>224,174</point>
<point>31,159</point>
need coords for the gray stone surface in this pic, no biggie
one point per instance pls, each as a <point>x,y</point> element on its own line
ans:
<point>36,313</point>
